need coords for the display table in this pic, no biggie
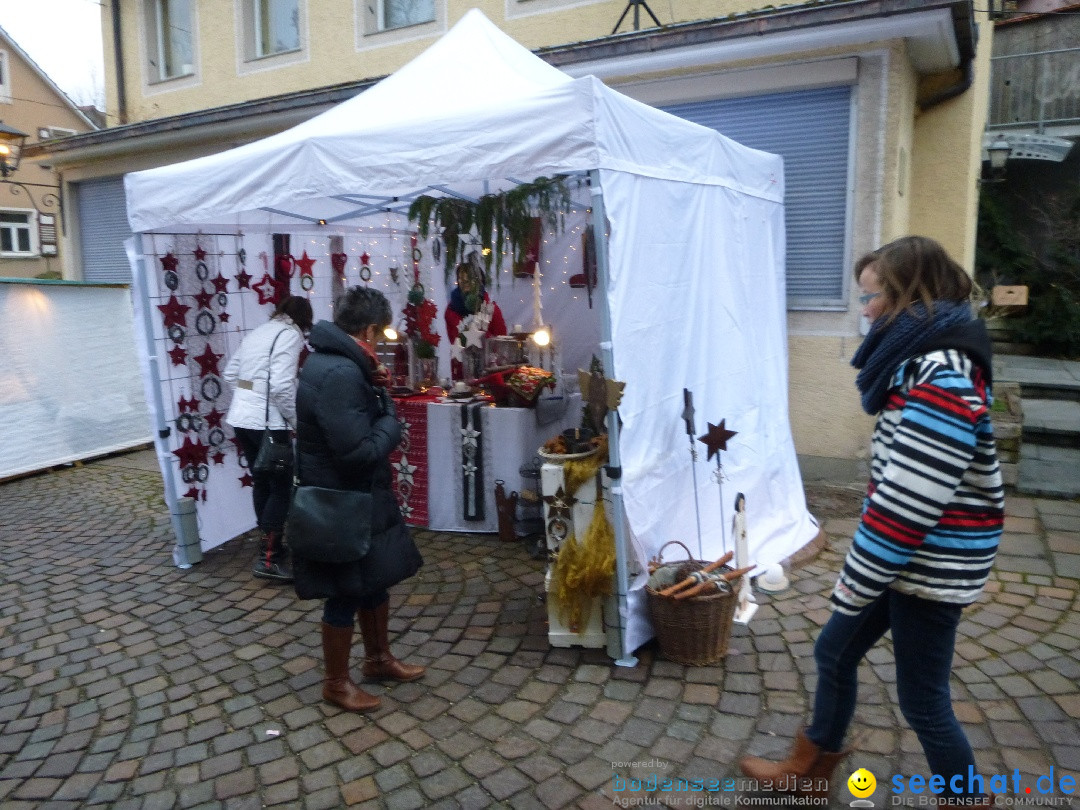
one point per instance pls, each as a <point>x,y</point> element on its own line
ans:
<point>452,454</point>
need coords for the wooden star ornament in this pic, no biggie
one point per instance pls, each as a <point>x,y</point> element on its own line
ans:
<point>717,438</point>
<point>600,395</point>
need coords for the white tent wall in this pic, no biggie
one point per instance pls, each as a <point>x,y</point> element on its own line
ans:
<point>69,381</point>
<point>696,290</point>
<point>695,283</point>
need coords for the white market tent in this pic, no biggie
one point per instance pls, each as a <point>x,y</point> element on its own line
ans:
<point>691,278</point>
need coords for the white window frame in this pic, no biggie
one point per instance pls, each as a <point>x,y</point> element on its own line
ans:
<point>249,56</point>
<point>256,11</point>
<point>5,78</point>
<point>156,44</point>
<point>373,14</point>
<point>31,229</point>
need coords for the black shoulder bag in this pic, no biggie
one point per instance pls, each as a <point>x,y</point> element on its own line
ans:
<point>275,453</point>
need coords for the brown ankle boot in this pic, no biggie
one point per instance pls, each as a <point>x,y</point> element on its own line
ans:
<point>379,662</point>
<point>807,771</point>
<point>338,688</point>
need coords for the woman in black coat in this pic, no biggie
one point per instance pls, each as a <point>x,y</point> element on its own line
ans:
<point>346,429</point>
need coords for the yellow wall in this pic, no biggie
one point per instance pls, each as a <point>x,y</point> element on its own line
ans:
<point>342,55</point>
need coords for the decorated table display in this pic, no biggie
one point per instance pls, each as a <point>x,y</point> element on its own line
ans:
<point>455,451</point>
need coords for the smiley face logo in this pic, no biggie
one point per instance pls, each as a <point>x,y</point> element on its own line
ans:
<point>862,783</point>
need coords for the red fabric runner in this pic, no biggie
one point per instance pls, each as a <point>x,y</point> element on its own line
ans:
<point>411,474</point>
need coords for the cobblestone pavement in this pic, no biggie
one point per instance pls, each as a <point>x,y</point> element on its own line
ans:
<point>128,683</point>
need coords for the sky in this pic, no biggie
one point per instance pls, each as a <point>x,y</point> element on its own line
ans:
<point>64,38</point>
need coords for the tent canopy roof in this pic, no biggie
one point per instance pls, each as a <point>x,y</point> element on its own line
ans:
<point>474,107</point>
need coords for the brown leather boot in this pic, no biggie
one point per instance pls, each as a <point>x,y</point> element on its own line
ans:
<point>807,771</point>
<point>338,687</point>
<point>379,662</point>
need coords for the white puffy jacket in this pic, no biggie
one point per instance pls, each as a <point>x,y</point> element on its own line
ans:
<point>246,372</point>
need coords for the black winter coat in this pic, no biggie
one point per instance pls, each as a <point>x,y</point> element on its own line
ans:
<point>344,438</point>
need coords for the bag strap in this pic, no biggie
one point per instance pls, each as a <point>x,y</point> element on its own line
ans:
<point>269,362</point>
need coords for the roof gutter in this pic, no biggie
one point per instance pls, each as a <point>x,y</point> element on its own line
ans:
<point>967,61</point>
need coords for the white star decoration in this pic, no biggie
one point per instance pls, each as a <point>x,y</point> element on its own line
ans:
<point>456,350</point>
<point>405,470</point>
<point>473,336</point>
<point>469,437</point>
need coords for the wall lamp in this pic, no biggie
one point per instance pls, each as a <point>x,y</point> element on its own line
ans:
<point>11,150</point>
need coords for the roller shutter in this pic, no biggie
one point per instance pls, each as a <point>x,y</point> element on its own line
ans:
<point>103,227</point>
<point>811,130</point>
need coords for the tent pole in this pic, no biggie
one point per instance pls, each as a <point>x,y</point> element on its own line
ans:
<point>187,549</point>
<point>622,656</point>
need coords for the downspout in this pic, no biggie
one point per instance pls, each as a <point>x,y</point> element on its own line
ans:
<point>118,58</point>
<point>953,90</point>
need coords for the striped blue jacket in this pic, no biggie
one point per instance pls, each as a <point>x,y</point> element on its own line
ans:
<point>934,510</point>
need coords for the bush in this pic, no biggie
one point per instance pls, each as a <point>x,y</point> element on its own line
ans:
<point>1048,262</point>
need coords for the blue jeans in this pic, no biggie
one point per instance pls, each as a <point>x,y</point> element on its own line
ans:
<point>924,634</point>
<point>340,611</point>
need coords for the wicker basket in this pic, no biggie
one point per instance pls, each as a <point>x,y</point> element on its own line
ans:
<point>692,631</point>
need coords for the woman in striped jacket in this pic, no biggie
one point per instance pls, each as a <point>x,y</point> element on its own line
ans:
<point>931,521</point>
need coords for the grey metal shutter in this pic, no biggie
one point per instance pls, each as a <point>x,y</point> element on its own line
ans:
<point>103,227</point>
<point>811,130</point>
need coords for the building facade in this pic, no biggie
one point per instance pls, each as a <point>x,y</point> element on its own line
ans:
<point>30,211</point>
<point>877,106</point>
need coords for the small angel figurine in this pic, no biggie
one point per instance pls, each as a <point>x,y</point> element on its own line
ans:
<point>747,604</point>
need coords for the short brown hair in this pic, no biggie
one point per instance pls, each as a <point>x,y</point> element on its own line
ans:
<point>915,269</point>
<point>297,308</point>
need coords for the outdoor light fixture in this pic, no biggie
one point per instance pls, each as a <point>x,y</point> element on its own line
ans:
<point>11,151</point>
<point>542,337</point>
<point>11,147</point>
<point>998,151</point>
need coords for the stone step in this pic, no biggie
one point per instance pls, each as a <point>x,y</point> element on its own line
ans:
<point>1053,422</point>
<point>1049,471</point>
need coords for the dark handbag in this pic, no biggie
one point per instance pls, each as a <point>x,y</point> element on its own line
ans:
<point>275,452</point>
<point>392,558</point>
<point>329,525</point>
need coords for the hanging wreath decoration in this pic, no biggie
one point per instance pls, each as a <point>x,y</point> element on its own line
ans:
<point>365,267</point>
<point>503,220</point>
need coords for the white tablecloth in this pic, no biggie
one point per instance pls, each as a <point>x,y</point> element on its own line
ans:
<point>510,437</point>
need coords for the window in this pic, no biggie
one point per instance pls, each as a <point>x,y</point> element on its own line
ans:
<point>5,79</point>
<point>277,26</point>
<point>171,49</point>
<point>401,13</point>
<point>16,233</point>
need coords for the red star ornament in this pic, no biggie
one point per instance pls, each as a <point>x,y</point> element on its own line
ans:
<point>243,279</point>
<point>221,284</point>
<point>169,262</point>
<point>208,362</point>
<point>184,405</point>
<point>717,438</point>
<point>178,355</point>
<point>200,254</point>
<point>203,298</point>
<point>305,264</point>
<point>245,480</point>
<point>223,316</point>
<point>192,493</point>
<point>267,289</point>
<point>213,419</point>
<point>218,457</point>
<point>191,453</point>
<point>175,313</point>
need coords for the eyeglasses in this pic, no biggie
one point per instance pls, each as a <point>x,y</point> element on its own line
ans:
<point>867,298</point>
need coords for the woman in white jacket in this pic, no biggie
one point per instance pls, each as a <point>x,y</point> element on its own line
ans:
<point>263,372</point>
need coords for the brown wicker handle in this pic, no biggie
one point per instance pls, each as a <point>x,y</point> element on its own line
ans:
<point>660,554</point>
